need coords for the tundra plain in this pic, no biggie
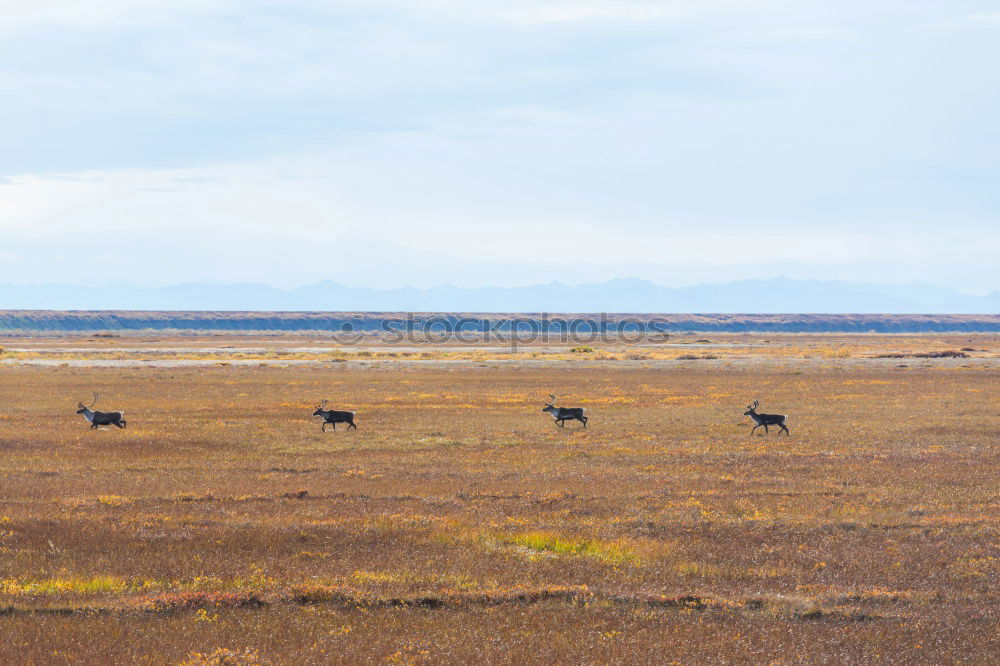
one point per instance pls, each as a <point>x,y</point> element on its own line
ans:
<point>459,524</point>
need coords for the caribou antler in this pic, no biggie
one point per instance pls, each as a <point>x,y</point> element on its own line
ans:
<point>323,404</point>
<point>553,400</point>
<point>96,396</point>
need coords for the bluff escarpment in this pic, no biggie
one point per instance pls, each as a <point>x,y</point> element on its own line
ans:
<point>204,321</point>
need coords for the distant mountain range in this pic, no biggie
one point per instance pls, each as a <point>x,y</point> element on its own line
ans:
<point>779,295</point>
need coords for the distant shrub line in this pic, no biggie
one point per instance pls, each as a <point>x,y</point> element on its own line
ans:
<point>349,598</point>
<point>931,354</point>
<point>453,325</point>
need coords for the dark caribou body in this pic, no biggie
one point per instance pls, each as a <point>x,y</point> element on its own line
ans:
<point>101,418</point>
<point>765,419</point>
<point>563,414</point>
<point>333,416</point>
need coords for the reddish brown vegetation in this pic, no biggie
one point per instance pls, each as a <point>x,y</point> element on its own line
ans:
<point>459,525</point>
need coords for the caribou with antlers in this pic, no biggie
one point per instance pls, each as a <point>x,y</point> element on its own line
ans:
<point>765,419</point>
<point>563,414</point>
<point>334,417</point>
<point>101,418</point>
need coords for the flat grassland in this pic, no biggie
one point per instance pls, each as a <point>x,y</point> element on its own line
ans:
<point>459,524</point>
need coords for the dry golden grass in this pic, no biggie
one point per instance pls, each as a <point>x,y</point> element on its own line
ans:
<point>305,347</point>
<point>458,523</point>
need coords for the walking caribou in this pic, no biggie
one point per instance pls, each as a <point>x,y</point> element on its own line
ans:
<point>334,417</point>
<point>101,418</point>
<point>563,414</point>
<point>765,419</point>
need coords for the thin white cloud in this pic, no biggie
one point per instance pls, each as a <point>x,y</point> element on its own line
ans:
<point>570,13</point>
<point>299,220</point>
<point>989,18</point>
<point>22,13</point>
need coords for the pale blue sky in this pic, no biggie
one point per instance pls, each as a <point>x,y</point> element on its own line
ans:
<point>505,143</point>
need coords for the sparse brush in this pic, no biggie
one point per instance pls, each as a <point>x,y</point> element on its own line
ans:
<point>929,354</point>
<point>949,353</point>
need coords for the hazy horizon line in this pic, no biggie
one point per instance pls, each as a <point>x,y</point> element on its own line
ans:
<point>981,291</point>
